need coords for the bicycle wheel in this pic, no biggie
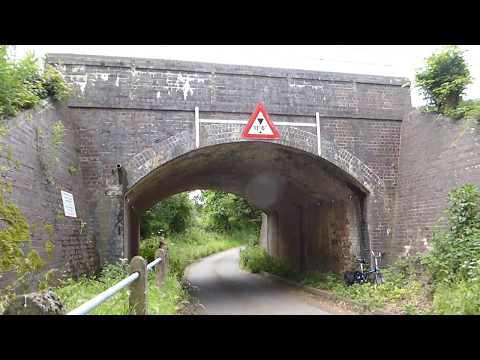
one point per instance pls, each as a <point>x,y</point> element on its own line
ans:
<point>349,277</point>
<point>359,277</point>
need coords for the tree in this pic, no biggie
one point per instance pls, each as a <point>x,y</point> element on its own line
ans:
<point>172,215</point>
<point>444,79</point>
<point>226,211</point>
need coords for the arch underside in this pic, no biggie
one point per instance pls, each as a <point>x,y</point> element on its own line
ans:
<point>315,208</point>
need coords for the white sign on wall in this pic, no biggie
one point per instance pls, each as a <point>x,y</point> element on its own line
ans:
<point>68,204</point>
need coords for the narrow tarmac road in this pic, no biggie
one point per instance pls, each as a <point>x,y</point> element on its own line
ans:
<point>224,289</point>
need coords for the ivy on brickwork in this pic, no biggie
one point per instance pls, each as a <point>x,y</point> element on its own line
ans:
<point>49,151</point>
<point>58,132</point>
<point>443,82</point>
<point>16,255</point>
<point>14,239</point>
<point>72,170</point>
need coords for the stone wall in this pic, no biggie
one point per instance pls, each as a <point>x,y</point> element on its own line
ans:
<point>38,173</point>
<point>437,155</point>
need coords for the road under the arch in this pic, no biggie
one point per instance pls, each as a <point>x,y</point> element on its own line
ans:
<point>224,289</point>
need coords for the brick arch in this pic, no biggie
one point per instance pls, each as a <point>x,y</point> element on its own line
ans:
<point>375,227</point>
<point>177,145</point>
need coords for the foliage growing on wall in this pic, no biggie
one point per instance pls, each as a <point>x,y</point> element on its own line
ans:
<point>16,255</point>
<point>23,84</point>
<point>455,254</point>
<point>14,239</point>
<point>443,82</point>
<point>49,149</point>
<point>58,133</point>
<point>72,170</point>
<point>444,78</point>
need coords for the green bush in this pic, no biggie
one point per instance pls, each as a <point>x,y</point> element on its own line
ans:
<point>454,259</point>
<point>148,247</point>
<point>455,254</point>
<point>54,84</point>
<point>444,78</point>
<point>458,298</point>
<point>23,84</point>
<point>256,259</point>
<point>226,212</point>
<point>170,216</point>
<point>469,109</point>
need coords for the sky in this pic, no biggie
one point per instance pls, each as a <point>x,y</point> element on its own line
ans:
<point>388,60</point>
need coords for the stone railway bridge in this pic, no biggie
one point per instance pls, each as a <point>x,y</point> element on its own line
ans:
<point>326,196</point>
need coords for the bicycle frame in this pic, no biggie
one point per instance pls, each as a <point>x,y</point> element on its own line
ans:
<point>363,276</point>
<point>375,269</point>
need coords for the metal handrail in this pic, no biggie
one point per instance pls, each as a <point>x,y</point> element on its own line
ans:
<point>107,294</point>
<point>153,263</point>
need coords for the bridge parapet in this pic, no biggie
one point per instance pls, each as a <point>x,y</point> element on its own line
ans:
<point>128,83</point>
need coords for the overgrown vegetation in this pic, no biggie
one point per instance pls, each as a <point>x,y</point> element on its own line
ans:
<point>49,149</point>
<point>444,78</point>
<point>455,254</point>
<point>164,301</point>
<point>197,243</point>
<point>188,238</point>
<point>444,280</point>
<point>454,259</point>
<point>18,261</point>
<point>400,292</point>
<point>170,216</point>
<point>443,82</point>
<point>23,84</point>
<point>227,212</point>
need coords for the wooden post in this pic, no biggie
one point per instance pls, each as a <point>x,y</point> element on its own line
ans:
<point>161,268</point>
<point>138,289</point>
<point>167,259</point>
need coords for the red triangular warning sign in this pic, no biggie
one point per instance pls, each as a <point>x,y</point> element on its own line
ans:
<point>260,126</point>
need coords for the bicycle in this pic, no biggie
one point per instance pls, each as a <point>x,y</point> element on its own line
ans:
<point>363,276</point>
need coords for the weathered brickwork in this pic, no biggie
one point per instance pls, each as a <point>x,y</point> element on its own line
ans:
<point>437,155</point>
<point>38,180</point>
<point>139,113</point>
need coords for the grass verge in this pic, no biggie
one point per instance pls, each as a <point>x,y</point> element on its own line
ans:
<point>184,249</point>
<point>401,293</point>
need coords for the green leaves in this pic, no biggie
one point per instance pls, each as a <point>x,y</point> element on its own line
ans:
<point>169,216</point>
<point>23,84</point>
<point>444,78</point>
<point>226,211</point>
<point>54,84</point>
<point>455,254</point>
<point>148,247</point>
